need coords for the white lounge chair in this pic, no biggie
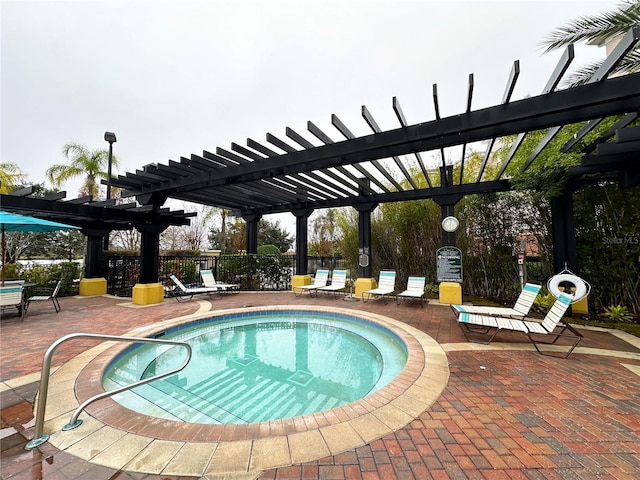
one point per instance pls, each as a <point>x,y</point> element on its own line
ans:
<point>45,294</point>
<point>386,286</point>
<point>338,282</point>
<point>209,281</point>
<point>12,296</point>
<point>184,291</point>
<point>535,330</point>
<point>523,305</point>
<point>415,290</point>
<point>320,280</point>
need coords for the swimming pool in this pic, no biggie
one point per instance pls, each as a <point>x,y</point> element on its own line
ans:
<point>217,449</point>
<point>260,366</point>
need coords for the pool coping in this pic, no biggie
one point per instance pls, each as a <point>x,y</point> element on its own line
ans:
<point>116,437</point>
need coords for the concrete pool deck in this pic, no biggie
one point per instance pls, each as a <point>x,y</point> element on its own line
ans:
<point>505,409</point>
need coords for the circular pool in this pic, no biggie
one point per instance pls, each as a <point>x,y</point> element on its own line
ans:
<point>188,448</point>
<point>259,366</point>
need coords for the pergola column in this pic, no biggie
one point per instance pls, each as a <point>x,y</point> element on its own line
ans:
<point>252,220</point>
<point>301,276</point>
<point>149,290</point>
<point>93,281</point>
<point>564,240</point>
<point>564,237</point>
<point>365,281</point>
<point>150,252</point>
<point>448,292</point>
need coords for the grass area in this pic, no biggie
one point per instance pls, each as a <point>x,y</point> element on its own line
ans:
<point>631,328</point>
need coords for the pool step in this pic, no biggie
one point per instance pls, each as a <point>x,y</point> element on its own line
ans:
<point>246,400</point>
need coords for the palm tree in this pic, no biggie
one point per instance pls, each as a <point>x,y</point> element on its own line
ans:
<point>10,176</point>
<point>82,162</point>
<point>598,29</point>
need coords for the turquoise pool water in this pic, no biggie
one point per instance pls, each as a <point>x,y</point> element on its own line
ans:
<point>259,366</point>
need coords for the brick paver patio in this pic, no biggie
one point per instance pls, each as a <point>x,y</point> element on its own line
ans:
<point>507,412</point>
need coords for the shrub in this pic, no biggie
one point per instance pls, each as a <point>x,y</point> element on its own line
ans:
<point>618,313</point>
<point>543,303</point>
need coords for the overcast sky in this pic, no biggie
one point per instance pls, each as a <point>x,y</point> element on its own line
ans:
<point>172,78</point>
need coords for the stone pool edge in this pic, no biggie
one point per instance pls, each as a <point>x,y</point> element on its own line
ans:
<point>104,439</point>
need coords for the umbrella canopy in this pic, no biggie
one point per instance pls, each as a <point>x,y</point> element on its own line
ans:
<point>12,222</point>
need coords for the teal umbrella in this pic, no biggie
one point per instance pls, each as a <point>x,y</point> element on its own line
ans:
<point>12,222</point>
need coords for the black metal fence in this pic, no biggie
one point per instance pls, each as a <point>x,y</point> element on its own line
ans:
<point>251,272</point>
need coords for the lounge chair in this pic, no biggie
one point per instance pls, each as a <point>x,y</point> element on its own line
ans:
<point>45,294</point>
<point>320,280</point>
<point>535,330</point>
<point>521,308</point>
<point>415,289</point>
<point>184,291</point>
<point>386,286</point>
<point>209,281</point>
<point>12,296</point>
<point>338,283</point>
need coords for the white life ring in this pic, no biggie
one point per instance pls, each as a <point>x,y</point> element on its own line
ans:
<point>580,287</point>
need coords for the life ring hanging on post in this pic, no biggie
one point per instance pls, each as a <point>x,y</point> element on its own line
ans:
<point>582,288</point>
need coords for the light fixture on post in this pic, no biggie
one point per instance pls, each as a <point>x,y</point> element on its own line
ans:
<point>111,138</point>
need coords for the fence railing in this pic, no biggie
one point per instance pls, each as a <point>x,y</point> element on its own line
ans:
<point>251,272</point>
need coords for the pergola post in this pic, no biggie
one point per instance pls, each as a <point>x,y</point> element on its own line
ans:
<point>448,292</point>
<point>93,281</point>
<point>252,220</point>
<point>564,240</point>
<point>149,290</point>
<point>365,280</point>
<point>564,237</point>
<point>301,276</point>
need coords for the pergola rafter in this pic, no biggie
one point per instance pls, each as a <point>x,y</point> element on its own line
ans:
<point>321,171</point>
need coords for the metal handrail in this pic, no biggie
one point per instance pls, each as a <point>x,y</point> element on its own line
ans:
<point>39,436</point>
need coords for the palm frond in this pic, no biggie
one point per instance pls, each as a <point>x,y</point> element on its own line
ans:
<point>581,75</point>
<point>597,28</point>
<point>629,64</point>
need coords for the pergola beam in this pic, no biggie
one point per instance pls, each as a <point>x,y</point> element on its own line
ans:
<point>615,96</point>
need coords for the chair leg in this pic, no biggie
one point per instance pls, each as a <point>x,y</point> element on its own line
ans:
<point>576,340</point>
<point>56,304</point>
<point>480,331</point>
<point>183,297</point>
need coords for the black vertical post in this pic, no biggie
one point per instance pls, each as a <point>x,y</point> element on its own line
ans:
<point>447,203</point>
<point>252,231</point>
<point>93,260</point>
<point>564,236</point>
<point>365,253</point>
<point>150,252</point>
<point>302,244</point>
<point>448,238</point>
<point>111,138</point>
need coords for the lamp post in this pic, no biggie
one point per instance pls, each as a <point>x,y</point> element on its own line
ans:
<point>111,138</point>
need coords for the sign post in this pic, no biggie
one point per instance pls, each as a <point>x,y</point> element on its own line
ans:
<point>449,262</point>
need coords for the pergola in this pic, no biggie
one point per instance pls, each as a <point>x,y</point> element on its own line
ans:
<point>299,174</point>
<point>96,220</point>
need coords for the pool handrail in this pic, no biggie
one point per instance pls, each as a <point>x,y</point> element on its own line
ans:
<point>39,437</point>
